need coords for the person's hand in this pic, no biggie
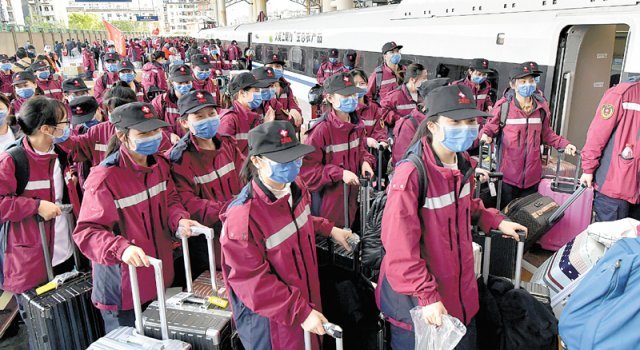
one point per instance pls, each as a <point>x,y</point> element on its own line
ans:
<point>483,175</point>
<point>297,118</point>
<point>486,139</point>
<point>372,143</point>
<point>185,227</point>
<point>367,170</point>
<point>341,236</point>
<point>270,115</point>
<point>587,180</point>
<point>489,109</point>
<point>174,139</point>
<point>570,150</point>
<point>314,322</point>
<point>432,314</point>
<point>48,210</point>
<point>135,256</point>
<point>384,144</point>
<point>509,228</point>
<point>350,178</point>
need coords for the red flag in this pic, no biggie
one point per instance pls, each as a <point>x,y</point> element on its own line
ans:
<point>116,36</point>
<point>155,31</point>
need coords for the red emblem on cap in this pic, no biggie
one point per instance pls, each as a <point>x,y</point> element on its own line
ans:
<point>182,71</point>
<point>532,65</point>
<point>351,57</point>
<point>526,69</point>
<point>393,43</point>
<point>18,77</point>
<point>485,64</point>
<point>346,80</point>
<point>270,72</point>
<point>463,100</point>
<point>76,83</point>
<point>147,112</point>
<point>200,97</point>
<point>79,110</point>
<point>205,59</point>
<point>284,137</point>
<point>275,57</point>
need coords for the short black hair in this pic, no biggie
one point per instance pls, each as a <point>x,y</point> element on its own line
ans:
<point>21,53</point>
<point>39,111</point>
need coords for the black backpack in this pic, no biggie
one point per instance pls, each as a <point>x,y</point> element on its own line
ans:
<point>372,251</point>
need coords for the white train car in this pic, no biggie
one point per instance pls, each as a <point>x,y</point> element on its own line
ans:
<point>583,46</point>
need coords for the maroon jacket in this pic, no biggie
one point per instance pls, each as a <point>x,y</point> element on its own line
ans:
<point>397,104</point>
<point>87,60</point>
<point>338,146</point>
<point>7,88</point>
<point>270,266</point>
<point>206,180</point>
<point>166,106</point>
<point>615,125</point>
<point>143,211</point>
<point>24,266</point>
<point>432,259</point>
<point>99,88</point>
<point>237,121</point>
<point>52,87</point>
<point>287,99</point>
<point>371,115</point>
<point>207,85</point>
<point>388,84</point>
<point>153,75</point>
<point>134,53</point>
<point>403,133</point>
<point>522,136</point>
<point>233,52</point>
<point>328,69</point>
<point>16,104</point>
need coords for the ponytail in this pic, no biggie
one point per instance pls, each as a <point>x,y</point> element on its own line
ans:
<point>423,130</point>
<point>248,171</point>
<point>114,143</point>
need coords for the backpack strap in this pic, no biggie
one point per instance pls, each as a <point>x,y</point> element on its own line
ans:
<point>422,177</point>
<point>413,121</point>
<point>376,94</point>
<point>22,171</point>
<point>105,80</point>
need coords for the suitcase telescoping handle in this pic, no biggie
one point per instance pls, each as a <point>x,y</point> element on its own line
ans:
<point>557,215</point>
<point>332,330</point>
<point>365,183</point>
<point>45,248</point>
<point>137,305</point>
<point>346,207</point>
<point>555,185</point>
<point>209,234</point>
<point>380,157</point>
<point>486,259</point>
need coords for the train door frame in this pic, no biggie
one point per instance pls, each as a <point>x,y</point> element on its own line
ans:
<point>576,46</point>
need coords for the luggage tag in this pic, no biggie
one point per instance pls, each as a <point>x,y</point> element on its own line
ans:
<point>492,189</point>
<point>56,282</point>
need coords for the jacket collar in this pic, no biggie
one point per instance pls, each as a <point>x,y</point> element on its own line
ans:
<point>465,168</point>
<point>337,123</point>
<point>33,154</point>
<point>127,162</point>
<point>249,116</point>
<point>264,194</point>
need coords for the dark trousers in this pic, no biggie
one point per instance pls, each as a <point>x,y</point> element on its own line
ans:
<point>88,75</point>
<point>510,192</point>
<point>402,339</point>
<point>612,209</point>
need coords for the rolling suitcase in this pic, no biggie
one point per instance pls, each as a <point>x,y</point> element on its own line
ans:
<point>576,218</point>
<point>60,314</point>
<point>556,165</point>
<point>190,318</point>
<point>132,338</point>
<point>332,330</point>
<point>491,191</point>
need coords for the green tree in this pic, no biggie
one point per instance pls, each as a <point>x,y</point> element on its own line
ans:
<point>40,22</point>
<point>83,21</point>
<point>131,26</point>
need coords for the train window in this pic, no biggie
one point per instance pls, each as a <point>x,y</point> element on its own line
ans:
<point>283,52</point>
<point>319,56</point>
<point>453,71</point>
<point>258,57</point>
<point>269,50</point>
<point>297,61</point>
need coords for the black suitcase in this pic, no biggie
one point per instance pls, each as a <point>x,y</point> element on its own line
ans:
<point>62,318</point>
<point>533,212</point>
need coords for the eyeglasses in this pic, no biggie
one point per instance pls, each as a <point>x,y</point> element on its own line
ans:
<point>65,122</point>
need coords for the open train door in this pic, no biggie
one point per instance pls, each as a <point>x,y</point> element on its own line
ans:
<point>590,60</point>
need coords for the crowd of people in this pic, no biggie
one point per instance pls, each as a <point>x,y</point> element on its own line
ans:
<point>143,156</point>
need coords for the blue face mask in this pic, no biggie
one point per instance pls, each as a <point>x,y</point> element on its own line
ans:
<point>267,94</point>
<point>459,138</point>
<point>3,117</point>
<point>64,137</point>
<point>25,92</point>
<point>214,52</point>
<point>284,173</point>
<point>177,62</point>
<point>127,77</point>
<point>526,90</point>
<point>111,67</point>
<point>203,75</point>
<point>537,79</point>
<point>90,123</point>
<point>206,128</point>
<point>149,145</point>
<point>5,66</point>
<point>362,93</point>
<point>44,74</point>
<point>348,104</point>
<point>279,73</point>
<point>257,100</point>
<point>395,58</point>
<point>112,50</point>
<point>182,89</point>
<point>478,80</point>
<point>333,60</point>
<point>348,67</point>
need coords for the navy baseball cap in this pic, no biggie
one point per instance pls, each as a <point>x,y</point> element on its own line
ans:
<point>341,84</point>
<point>137,115</point>
<point>454,101</point>
<point>277,141</point>
<point>83,109</point>
<point>195,101</point>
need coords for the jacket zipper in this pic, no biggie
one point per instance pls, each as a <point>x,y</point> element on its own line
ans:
<point>526,151</point>
<point>149,233</point>
<point>313,257</point>
<point>464,311</point>
<point>450,238</point>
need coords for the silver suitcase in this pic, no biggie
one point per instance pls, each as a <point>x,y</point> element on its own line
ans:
<point>190,318</point>
<point>125,338</point>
